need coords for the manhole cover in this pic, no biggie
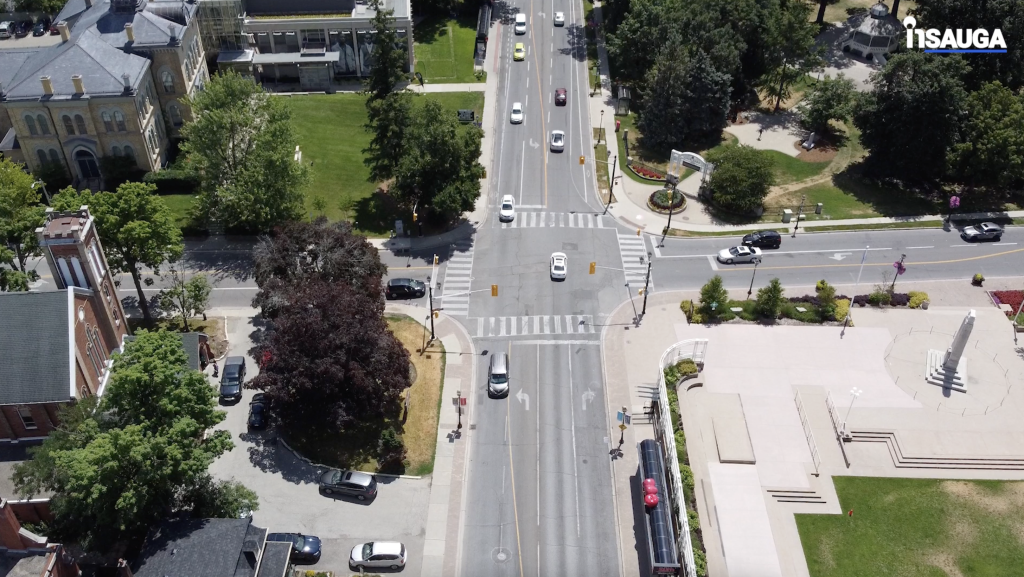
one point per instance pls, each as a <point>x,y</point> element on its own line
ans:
<point>501,554</point>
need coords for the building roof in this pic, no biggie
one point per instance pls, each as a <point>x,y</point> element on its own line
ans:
<point>877,24</point>
<point>22,563</point>
<point>35,366</point>
<point>296,58</point>
<point>275,559</point>
<point>189,342</point>
<point>12,454</point>
<point>202,548</point>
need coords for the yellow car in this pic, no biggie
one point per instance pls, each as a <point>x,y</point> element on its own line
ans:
<point>520,53</point>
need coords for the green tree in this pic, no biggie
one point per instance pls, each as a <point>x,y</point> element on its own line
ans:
<point>136,228</point>
<point>769,300</point>
<point>792,47</point>
<point>388,58</point>
<point>442,170</point>
<point>11,279</point>
<point>20,215</point>
<point>45,6</point>
<point>116,471</point>
<point>54,175</point>
<point>187,298</point>
<point>913,115</point>
<point>991,152</point>
<point>826,299</point>
<point>829,99</point>
<point>648,26</point>
<point>389,123</point>
<point>686,102</point>
<point>242,147</point>
<point>221,499</point>
<point>741,179</point>
<point>713,298</point>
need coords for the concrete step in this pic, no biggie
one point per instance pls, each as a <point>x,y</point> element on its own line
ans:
<point>901,460</point>
<point>796,496</point>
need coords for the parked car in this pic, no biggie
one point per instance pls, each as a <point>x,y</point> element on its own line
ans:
<point>559,18</point>
<point>53,29</point>
<point>763,239</point>
<point>405,288</point>
<point>39,29</point>
<point>507,212</point>
<point>557,140</point>
<point>389,554</point>
<point>560,97</point>
<point>305,548</point>
<point>21,29</point>
<point>6,29</point>
<point>517,113</point>
<point>983,231</point>
<point>520,52</point>
<point>356,484</point>
<point>740,254</point>
<point>231,379</point>
<point>258,412</point>
<point>559,263</point>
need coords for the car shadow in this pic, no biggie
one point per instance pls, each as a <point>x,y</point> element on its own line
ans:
<point>350,498</point>
<point>639,518</point>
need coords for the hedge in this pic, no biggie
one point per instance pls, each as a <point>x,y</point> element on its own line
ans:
<point>172,181</point>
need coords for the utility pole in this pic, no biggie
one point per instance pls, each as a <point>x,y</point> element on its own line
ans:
<point>800,211</point>
<point>647,283</point>
<point>899,270</point>
<point>751,289</point>
<point>430,292</point>
<point>611,184</point>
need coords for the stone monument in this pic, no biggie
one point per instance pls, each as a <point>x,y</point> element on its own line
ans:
<point>949,369</point>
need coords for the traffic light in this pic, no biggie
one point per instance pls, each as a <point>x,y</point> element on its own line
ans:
<point>638,231</point>
<point>494,290</point>
<point>582,159</point>
<point>593,267</point>
<point>435,260</point>
<point>414,217</point>
<point>436,315</point>
<point>640,291</point>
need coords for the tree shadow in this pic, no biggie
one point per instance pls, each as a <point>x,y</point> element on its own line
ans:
<point>355,447</point>
<point>432,29</point>
<point>576,38</point>
<point>270,456</point>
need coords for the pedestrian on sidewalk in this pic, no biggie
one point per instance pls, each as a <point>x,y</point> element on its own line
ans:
<point>216,370</point>
<point>760,131</point>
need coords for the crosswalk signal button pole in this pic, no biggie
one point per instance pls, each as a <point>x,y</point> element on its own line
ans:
<point>593,267</point>
<point>494,290</point>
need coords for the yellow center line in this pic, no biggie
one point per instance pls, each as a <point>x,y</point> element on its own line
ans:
<point>540,94</point>
<point>511,464</point>
<point>907,263</point>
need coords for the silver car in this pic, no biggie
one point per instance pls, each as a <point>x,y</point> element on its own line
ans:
<point>983,231</point>
<point>740,254</point>
<point>385,554</point>
<point>557,140</point>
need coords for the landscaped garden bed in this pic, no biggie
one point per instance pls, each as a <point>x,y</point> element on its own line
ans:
<point>646,172</point>
<point>659,201</point>
<point>1013,299</point>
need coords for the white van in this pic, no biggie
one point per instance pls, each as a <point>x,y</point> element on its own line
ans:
<point>520,23</point>
<point>6,29</point>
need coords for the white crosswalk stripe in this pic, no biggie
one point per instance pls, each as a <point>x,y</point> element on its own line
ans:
<point>535,325</point>
<point>458,277</point>
<point>555,220</point>
<point>632,248</point>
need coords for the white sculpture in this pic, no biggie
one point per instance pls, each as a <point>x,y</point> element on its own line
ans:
<point>950,369</point>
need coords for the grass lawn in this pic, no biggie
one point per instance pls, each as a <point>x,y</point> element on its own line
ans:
<point>213,328</point>
<point>791,169</point>
<point>649,157</point>
<point>917,528</point>
<point>329,128</point>
<point>356,448</point>
<point>600,154</point>
<point>849,196</point>
<point>444,50</point>
<point>179,204</point>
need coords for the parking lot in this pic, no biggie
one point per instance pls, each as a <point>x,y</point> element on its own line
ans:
<point>290,500</point>
<point>29,41</point>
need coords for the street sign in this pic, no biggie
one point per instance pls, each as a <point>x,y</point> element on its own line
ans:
<point>623,417</point>
<point>623,427</point>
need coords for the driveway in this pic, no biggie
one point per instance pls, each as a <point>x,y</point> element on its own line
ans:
<point>290,500</point>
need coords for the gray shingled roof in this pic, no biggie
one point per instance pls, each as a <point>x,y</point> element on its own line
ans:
<point>189,342</point>
<point>275,559</point>
<point>200,548</point>
<point>11,62</point>
<point>34,364</point>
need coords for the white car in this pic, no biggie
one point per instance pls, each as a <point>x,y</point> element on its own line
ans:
<point>559,18</point>
<point>559,263</point>
<point>517,113</point>
<point>389,554</point>
<point>507,212</point>
<point>740,254</point>
<point>520,23</point>
<point>557,140</point>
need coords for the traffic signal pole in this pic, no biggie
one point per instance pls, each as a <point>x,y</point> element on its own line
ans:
<point>430,292</point>
<point>647,283</point>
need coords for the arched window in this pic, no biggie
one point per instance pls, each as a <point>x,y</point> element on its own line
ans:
<point>54,157</point>
<point>99,343</point>
<point>168,80</point>
<point>31,123</point>
<point>129,151</point>
<point>119,119</point>
<point>116,150</point>
<point>80,123</point>
<point>42,156</point>
<point>108,124</point>
<point>68,126</point>
<point>44,126</point>
<point>106,292</point>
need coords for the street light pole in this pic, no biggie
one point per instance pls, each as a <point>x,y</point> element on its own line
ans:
<point>647,283</point>
<point>854,393</point>
<point>671,206</point>
<point>751,289</point>
<point>899,267</point>
<point>600,136</point>
<point>611,183</point>
<point>430,292</point>
<point>799,211</point>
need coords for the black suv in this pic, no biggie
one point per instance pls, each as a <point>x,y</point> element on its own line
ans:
<point>763,239</point>
<point>405,288</point>
<point>232,378</point>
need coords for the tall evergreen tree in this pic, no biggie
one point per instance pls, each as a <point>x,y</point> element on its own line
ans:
<point>991,150</point>
<point>687,100</point>
<point>389,122</point>
<point>389,58</point>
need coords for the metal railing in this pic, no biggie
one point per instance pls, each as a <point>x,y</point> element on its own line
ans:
<point>815,457</point>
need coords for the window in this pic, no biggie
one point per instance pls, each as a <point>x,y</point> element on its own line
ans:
<point>168,80</point>
<point>117,319</point>
<point>119,119</point>
<point>80,124</point>
<point>92,356</point>
<point>99,344</point>
<point>31,123</point>
<point>129,151</point>
<point>97,258</point>
<point>116,150</point>
<point>44,126</point>
<point>175,113</point>
<point>68,127</point>
<point>42,156</point>
<point>108,124</point>
<point>106,292</point>
<point>54,157</point>
<point>26,418</point>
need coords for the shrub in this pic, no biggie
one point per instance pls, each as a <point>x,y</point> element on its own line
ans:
<point>860,300</point>
<point>769,299</point>
<point>173,181</point>
<point>713,293</point>
<point>700,561</point>
<point>879,298</point>
<point>916,298</point>
<point>899,299</point>
<point>679,370</point>
<point>694,519</point>
<point>978,277</point>
<point>811,315</point>
<point>687,474</point>
<point>660,199</point>
<point>681,447</point>
<point>842,309</point>
<point>391,450</point>
<point>827,299</point>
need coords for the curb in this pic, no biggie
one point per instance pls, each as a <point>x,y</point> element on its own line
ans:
<point>281,440</point>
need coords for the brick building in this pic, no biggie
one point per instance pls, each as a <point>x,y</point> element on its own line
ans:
<point>23,553</point>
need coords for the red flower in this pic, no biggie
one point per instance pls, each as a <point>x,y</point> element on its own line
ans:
<point>1012,298</point>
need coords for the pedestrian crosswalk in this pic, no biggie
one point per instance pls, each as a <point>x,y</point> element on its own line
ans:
<point>555,220</point>
<point>458,277</point>
<point>634,261</point>
<point>534,325</point>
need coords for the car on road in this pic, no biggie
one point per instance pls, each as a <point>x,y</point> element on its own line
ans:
<point>404,288</point>
<point>520,23</point>
<point>384,554</point>
<point>507,212</point>
<point>560,97</point>
<point>497,375</point>
<point>517,113</point>
<point>356,484</point>
<point>763,239</point>
<point>557,140</point>
<point>39,29</point>
<point>305,548</point>
<point>559,264</point>
<point>231,379</point>
<point>983,231</point>
<point>559,18</point>
<point>740,254</point>
<point>258,412</point>
<point>520,52</point>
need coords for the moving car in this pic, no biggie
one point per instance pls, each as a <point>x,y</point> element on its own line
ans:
<point>258,412</point>
<point>507,212</point>
<point>559,263</point>
<point>983,231</point>
<point>404,288</point>
<point>497,375</point>
<point>517,113</point>
<point>763,239</point>
<point>740,254</point>
<point>390,554</point>
<point>560,98</point>
<point>356,484</point>
<point>305,548</point>
<point>557,140</point>
<point>231,379</point>
<point>520,52</point>
<point>559,18</point>
<point>520,23</point>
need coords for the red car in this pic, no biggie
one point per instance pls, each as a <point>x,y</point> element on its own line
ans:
<point>560,98</point>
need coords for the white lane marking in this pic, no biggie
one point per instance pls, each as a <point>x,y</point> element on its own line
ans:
<point>527,84</point>
<point>572,422</point>
<point>521,169</point>
<point>1004,243</point>
<point>833,251</point>
<point>917,247</point>
<point>714,265</point>
<point>527,101</point>
<point>555,342</point>
<point>980,244</point>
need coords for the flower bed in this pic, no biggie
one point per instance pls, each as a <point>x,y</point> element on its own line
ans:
<point>659,201</point>
<point>646,172</point>
<point>1012,298</point>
